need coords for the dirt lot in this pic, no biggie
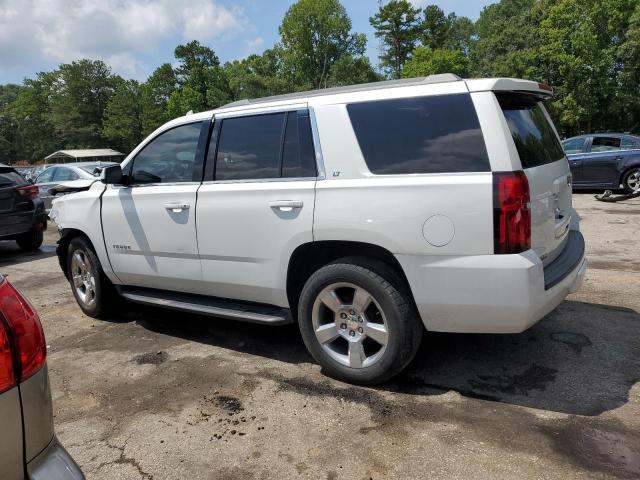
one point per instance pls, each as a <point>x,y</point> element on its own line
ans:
<point>158,395</point>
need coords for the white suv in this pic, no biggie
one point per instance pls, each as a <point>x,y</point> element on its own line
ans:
<point>365,214</point>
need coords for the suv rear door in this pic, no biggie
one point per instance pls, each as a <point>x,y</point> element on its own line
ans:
<point>545,164</point>
<point>256,204</point>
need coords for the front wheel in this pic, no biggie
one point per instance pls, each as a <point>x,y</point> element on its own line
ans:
<point>631,182</point>
<point>358,321</point>
<point>91,288</point>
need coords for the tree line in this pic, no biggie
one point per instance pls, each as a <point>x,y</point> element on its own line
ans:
<point>589,50</point>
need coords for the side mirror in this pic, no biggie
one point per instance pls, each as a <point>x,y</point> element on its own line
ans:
<point>111,175</point>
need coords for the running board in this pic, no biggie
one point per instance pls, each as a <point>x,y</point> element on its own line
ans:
<point>203,305</point>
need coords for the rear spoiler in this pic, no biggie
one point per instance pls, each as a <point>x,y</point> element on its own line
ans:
<point>510,85</point>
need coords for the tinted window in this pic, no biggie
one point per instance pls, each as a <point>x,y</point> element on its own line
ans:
<point>46,176</point>
<point>249,147</point>
<point>420,135</point>
<point>573,145</point>
<point>605,144</point>
<point>10,177</point>
<point>64,175</point>
<point>298,157</point>
<point>532,133</point>
<point>168,158</point>
<point>627,144</point>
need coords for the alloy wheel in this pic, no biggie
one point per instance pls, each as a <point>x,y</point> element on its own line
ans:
<point>84,281</point>
<point>350,325</point>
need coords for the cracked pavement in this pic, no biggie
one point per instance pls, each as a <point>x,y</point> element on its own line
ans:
<point>151,394</point>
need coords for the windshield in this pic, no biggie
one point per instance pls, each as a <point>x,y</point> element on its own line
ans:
<point>535,139</point>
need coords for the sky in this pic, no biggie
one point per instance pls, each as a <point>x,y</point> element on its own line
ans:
<point>136,36</point>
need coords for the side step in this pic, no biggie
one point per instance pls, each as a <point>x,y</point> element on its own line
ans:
<point>203,305</point>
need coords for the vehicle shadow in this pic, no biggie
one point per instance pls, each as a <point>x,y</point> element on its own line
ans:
<point>10,253</point>
<point>581,359</point>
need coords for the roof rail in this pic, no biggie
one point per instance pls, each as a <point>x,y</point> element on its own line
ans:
<point>404,82</point>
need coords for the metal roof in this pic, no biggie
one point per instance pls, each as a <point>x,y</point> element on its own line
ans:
<point>86,153</point>
<point>405,82</point>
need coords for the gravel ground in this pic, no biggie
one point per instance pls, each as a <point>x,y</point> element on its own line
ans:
<point>163,395</point>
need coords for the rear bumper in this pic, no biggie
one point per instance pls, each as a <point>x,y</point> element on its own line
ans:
<point>492,293</point>
<point>54,463</point>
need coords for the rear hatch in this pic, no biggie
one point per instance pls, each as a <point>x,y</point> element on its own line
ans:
<point>9,179</point>
<point>546,168</point>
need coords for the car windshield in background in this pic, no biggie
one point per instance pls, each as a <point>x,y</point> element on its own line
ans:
<point>532,133</point>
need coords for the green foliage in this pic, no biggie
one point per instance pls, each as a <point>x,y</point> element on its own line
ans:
<point>397,24</point>
<point>256,76</point>
<point>123,116</point>
<point>155,94</point>
<point>314,34</point>
<point>430,62</point>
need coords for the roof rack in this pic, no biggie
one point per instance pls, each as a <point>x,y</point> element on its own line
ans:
<point>405,82</point>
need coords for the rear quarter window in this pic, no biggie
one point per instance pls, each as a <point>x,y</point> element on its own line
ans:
<point>535,139</point>
<point>436,134</point>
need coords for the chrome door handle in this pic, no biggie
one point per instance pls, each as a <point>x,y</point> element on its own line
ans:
<point>176,207</point>
<point>286,205</point>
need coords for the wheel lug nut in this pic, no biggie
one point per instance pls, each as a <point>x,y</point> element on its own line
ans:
<point>360,330</point>
<point>352,312</point>
<point>352,333</point>
<point>343,315</point>
<point>343,326</point>
<point>360,319</point>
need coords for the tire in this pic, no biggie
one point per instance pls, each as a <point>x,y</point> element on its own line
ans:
<point>346,284</point>
<point>631,181</point>
<point>93,291</point>
<point>30,241</point>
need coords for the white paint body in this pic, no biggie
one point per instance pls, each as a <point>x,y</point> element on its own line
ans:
<point>232,243</point>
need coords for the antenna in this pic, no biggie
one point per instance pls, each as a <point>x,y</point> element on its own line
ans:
<point>380,42</point>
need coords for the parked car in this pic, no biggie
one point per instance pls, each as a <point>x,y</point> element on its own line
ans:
<point>38,169</point>
<point>24,171</point>
<point>604,160</point>
<point>22,214</point>
<point>63,174</point>
<point>364,213</point>
<point>28,445</point>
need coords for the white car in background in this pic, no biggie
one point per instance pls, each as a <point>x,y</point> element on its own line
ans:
<point>67,174</point>
<point>366,214</point>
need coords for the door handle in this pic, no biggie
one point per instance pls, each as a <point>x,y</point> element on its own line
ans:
<point>286,205</point>
<point>176,207</point>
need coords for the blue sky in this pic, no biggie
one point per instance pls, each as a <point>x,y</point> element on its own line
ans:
<point>135,36</point>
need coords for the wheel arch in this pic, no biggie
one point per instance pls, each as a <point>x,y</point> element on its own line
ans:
<point>309,257</point>
<point>627,169</point>
<point>66,236</point>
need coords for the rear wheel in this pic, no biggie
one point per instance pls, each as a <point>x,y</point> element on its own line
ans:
<point>30,241</point>
<point>92,289</point>
<point>358,321</point>
<point>631,182</point>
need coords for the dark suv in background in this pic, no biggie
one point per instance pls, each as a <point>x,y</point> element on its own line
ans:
<point>22,214</point>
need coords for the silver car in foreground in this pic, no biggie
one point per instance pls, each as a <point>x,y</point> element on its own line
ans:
<point>29,448</point>
<point>65,173</point>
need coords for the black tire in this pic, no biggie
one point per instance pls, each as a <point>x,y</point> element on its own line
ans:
<point>105,296</point>
<point>388,290</point>
<point>30,241</point>
<point>627,176</point>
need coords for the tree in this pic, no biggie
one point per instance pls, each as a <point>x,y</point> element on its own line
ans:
<point>425,61</point>
<point>154,97</point>
<point>10,141</point>
<point>123,116</point>
<point>200,76</point>
<point>397,24</point>
<point>629,57</point>
<point>314,34</point>
<point>436,27</point>
<point>348,70</point>
<point>256,76</point>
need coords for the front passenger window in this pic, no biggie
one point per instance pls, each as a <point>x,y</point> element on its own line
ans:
<point>168,158</point>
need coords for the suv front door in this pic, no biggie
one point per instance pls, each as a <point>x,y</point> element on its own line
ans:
<point>256,206</point>
<point>149,223</point>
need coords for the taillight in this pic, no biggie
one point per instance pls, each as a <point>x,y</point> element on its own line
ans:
<point>29,191</point>
<point>511,212</point>
<point>24,332</point>
<point>7,370</point>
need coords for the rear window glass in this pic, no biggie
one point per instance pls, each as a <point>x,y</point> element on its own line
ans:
<point>10,177</point>
<point>532,133</point>
<point>434,134</point>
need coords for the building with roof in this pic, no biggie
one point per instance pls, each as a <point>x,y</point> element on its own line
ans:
<point>86,155</point>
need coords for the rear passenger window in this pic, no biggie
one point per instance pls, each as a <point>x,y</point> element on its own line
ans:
<point>298,158</point>
<point>265,146</point>
<point>605,144</point>
<point>420,135</point>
